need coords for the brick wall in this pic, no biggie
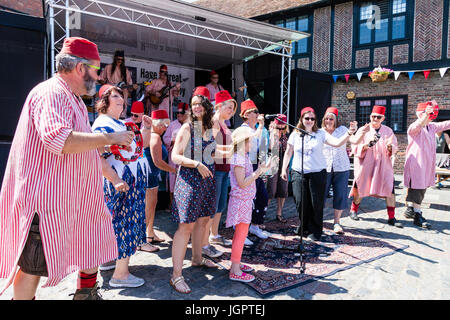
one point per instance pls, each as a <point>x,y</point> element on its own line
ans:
<point>428,30</point>
<point>418,90</point>
<point>321,39</point>
<point>381,56</point>
<point>362,58</point>
<point>400,54</point>
<point>343,36</point>
<point>303,63</point>
<point>31,7</point>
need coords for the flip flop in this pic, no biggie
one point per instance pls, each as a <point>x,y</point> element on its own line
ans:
<point>149,251</point>
<point>152,240</point>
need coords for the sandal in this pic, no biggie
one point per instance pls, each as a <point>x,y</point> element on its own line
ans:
<point>204,264</point>
<point>176,281</point>
<point>281,219</point>
<point>155,249</point>
<point>153,240</point>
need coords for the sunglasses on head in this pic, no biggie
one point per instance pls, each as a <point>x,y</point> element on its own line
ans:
<point>376,117</point>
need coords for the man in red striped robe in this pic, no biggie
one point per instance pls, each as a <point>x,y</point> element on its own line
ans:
<point>53,217</point>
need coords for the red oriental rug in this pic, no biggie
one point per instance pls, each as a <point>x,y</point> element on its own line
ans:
<point>276,259</point>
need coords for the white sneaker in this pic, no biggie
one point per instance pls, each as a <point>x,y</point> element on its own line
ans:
<point>248,242</point>
<point>257,232</point>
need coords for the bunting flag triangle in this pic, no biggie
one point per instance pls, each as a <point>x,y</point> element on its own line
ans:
<point>347,76</point>
<point>359,75</point>
<point>335,77</point>
<point>426,73</point>
<point>411,74</point>
<point>442,71</point>
<point>396,74</point>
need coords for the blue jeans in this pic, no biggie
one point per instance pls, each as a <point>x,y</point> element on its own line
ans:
<point>222,183</point>
<point>339,180</point>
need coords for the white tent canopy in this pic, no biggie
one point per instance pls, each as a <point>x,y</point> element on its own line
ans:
<point>172,32</point>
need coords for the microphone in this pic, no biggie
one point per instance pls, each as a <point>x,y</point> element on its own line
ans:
<point>271,116</point>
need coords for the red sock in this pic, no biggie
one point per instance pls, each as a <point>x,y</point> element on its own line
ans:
<point>391,212</point>
<point>86,280</point>
<point>354,207</point>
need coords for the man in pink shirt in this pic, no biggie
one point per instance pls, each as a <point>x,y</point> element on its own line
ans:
<point>162,100</point>
<point>53,216</point>
<point>420,169</point>
<point>374,174</point>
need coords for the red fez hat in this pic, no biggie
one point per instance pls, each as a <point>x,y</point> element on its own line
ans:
<point>282,117</point>
<point>247,105</point>
<point>81,48</point>
<point>332,110</point>
<point>159,114</point>
<point>202,91</point>
<point>422,106</point>
<point>222,96</point>
<point>103,89</point>
<point>212,73</point>
<point>183,107</point>
<point>137,107</point>
<point>379,109</point>
<point>306,109</point>
<point>163,68</point>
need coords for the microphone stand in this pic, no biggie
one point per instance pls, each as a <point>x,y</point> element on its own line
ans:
<point>300,247</point>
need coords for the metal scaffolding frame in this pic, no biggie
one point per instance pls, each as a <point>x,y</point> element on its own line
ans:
<point>159,22</point>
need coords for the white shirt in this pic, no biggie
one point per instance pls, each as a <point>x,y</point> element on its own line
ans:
<point>337,158</point>
<point>314,160</point>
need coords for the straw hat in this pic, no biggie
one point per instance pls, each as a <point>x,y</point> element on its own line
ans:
<point>241,134</point>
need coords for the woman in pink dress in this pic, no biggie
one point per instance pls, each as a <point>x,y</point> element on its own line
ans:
<point>240,205</point>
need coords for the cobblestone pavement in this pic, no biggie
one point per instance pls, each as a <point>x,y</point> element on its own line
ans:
<point>419,272</point>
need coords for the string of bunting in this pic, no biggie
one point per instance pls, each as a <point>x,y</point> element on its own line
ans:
<point>426,73</point>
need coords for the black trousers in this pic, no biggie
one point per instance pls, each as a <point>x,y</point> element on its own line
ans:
<point>260,202</point>
<point>314,195</point>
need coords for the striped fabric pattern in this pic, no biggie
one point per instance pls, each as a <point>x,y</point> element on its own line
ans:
<point>65,190</point>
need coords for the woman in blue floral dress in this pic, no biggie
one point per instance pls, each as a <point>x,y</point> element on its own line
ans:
<point>195,188</point>
<point>124,186</point>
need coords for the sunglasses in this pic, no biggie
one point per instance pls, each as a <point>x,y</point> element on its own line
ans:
<point>135,115</point>
<point>254,111</point>
<point>214,77</point>
<point>92,66</point>
<point>309,119</point>
<point>329,119</point>
<point>377,117</point>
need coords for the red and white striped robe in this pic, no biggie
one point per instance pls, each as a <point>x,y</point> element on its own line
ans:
<point>65,190</point>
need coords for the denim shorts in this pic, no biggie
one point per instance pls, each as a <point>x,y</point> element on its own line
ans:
<point>222,183</point>
<point>152,181</point>
<point>339,180</point>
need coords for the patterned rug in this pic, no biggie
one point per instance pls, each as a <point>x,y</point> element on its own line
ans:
<point>276,259</point>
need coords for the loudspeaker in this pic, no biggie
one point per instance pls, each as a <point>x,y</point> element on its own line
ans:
<point>23,64</point>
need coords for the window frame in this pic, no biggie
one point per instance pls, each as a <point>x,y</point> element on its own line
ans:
<point>390,16</point>
<point>387,120</point>
<point>295,54</point>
